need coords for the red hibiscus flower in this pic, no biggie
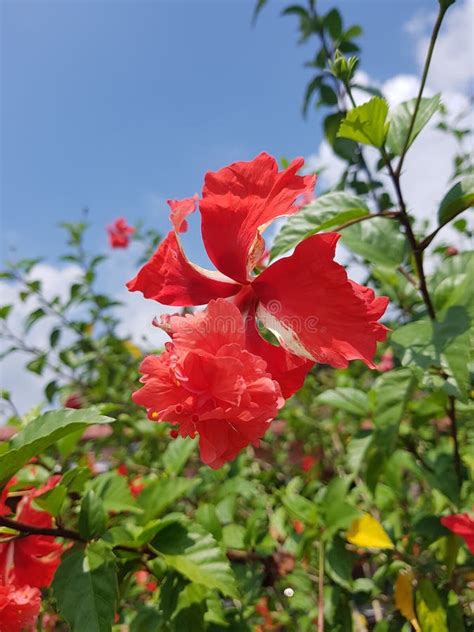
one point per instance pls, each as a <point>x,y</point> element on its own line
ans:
<point>30,560</point>
<point>306,299</point>
<point>19,608</point>
<point>462,525</point>
<point>207,383</point>
<point>119,233</point>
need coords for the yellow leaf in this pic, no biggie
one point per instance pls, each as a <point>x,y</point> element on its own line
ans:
<point>368,533</point>
<point>404,598</point>
<point>133,350</point>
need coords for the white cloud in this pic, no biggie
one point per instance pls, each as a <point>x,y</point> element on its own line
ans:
<point>27,388</point>
<point>136,315</point>
<point>451,67</point>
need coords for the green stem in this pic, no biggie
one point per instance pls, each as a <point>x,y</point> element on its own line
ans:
<point>434,37</point>
<point>321,588</point>
<point>414,245</point>
<point>454,435</point>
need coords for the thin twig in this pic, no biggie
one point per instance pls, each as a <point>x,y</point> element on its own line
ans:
<point>408,276</point>
<point>27,529</point>
<point>410,235</point>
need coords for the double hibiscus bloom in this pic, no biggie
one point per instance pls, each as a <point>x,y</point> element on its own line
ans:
<point>219,377</point>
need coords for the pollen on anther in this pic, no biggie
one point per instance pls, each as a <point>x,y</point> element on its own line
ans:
<point>154,415</point>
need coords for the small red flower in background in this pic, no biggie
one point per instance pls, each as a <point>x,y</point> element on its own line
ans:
<point>136,486</point>
<point>308,462</point>
<point>30,560</point>
<point>145,580</point>
<point>386,362</point>
<point>73,401</point>
<point>298,526</point>
<point>306,299</point>
<point>119,233</point>
<point>207,383</point>
<point>451,251</point>
<point>462,525</point>
<point>19,608</point>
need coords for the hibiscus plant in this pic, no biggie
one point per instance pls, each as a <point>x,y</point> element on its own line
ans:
<point>298,454</point>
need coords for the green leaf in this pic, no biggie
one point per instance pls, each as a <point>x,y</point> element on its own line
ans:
<point>147,620</point>
<point>113,490</point>
<point>233,536</point>
<point>92,517</point>
<point>378,240</point>
<point>85,587</point>
<point>54,337</point>
<point>52,500</point>
<point>258,7</point>
<point>177,454</point>
<point>43,432</point>
<point>4,311</point>
<point>357,449</point>
<point>76,478</point>
<point>328,211</point>
<point>445,344</point>
<point>37,365</point>
<point>206,516</point>
<point>327,94</point>
<point>337,512</point>
<point>392,391</point>
<point>301,508</point>
<point>51,389</point>
<point>159,495</point>
<point>366,123</point>
<point>34,317</point>
<point>400,121</point>
<point>196,555</point>
<point>457,199</point>
<point>339,562</point>
<point>333,23</point>
<point>350,400</point>
<point>454,613</point>
<point>430,611</point>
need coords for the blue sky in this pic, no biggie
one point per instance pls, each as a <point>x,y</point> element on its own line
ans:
<point>119,105</point>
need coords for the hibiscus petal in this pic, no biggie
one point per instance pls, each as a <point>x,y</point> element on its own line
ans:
<point>180,209</point>
<point>462,525</point>
<point>19,608</point>
<point>220,324</point>
<point>288,369</point>
<point>170,278</point>
<point>239,201</point>
<point>315,310</point>
<point>221,440</point>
